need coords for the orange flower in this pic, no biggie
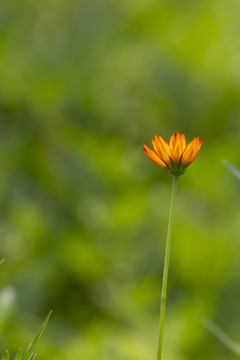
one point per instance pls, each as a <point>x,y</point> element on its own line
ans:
<point>174,156</point>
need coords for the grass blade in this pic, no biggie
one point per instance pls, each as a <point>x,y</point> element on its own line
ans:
<point>32,356</point>
<point>39,333</point>
<point>19,354</point>
<point>222,336</point>
<point>1,261</point>
<point>232,168</point>
<point>5,355</point>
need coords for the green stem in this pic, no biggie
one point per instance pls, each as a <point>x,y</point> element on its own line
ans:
<point>165,270</point>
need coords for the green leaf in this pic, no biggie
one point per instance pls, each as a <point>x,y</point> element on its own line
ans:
<point>232,168</point>
<point>5,355</point>
<point>19,354</point>
<point>30,357</point>
<point>1,261</point>
<point>39,333</point>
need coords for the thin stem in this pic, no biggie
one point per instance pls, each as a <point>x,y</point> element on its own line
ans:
<point>165,270</point>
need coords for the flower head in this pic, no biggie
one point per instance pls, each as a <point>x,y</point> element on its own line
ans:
<point>175,155</point>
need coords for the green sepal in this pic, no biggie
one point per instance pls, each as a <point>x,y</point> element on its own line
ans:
<point>172,162</point>
<point>179,163</point>
<point>166,165</point>
<point>176,170</point>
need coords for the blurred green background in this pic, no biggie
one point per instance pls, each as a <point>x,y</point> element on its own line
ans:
<point>83,219</point>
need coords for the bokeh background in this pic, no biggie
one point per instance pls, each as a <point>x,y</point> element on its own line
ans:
<point>83,216</point>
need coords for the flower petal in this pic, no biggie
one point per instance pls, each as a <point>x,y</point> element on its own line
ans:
<point>151,153</point>
<point>162,149</point>
<point>182,140</point>
<point>191,151</point>
<point>177,144</point>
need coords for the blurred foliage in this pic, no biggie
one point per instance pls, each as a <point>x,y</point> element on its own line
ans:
<point>84,212</point>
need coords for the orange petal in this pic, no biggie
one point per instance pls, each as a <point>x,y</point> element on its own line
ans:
<point>177,144</point>
<point>191,151</point>
<point>151,153</point>
<point>162,149</point>
<point>182,140</point>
